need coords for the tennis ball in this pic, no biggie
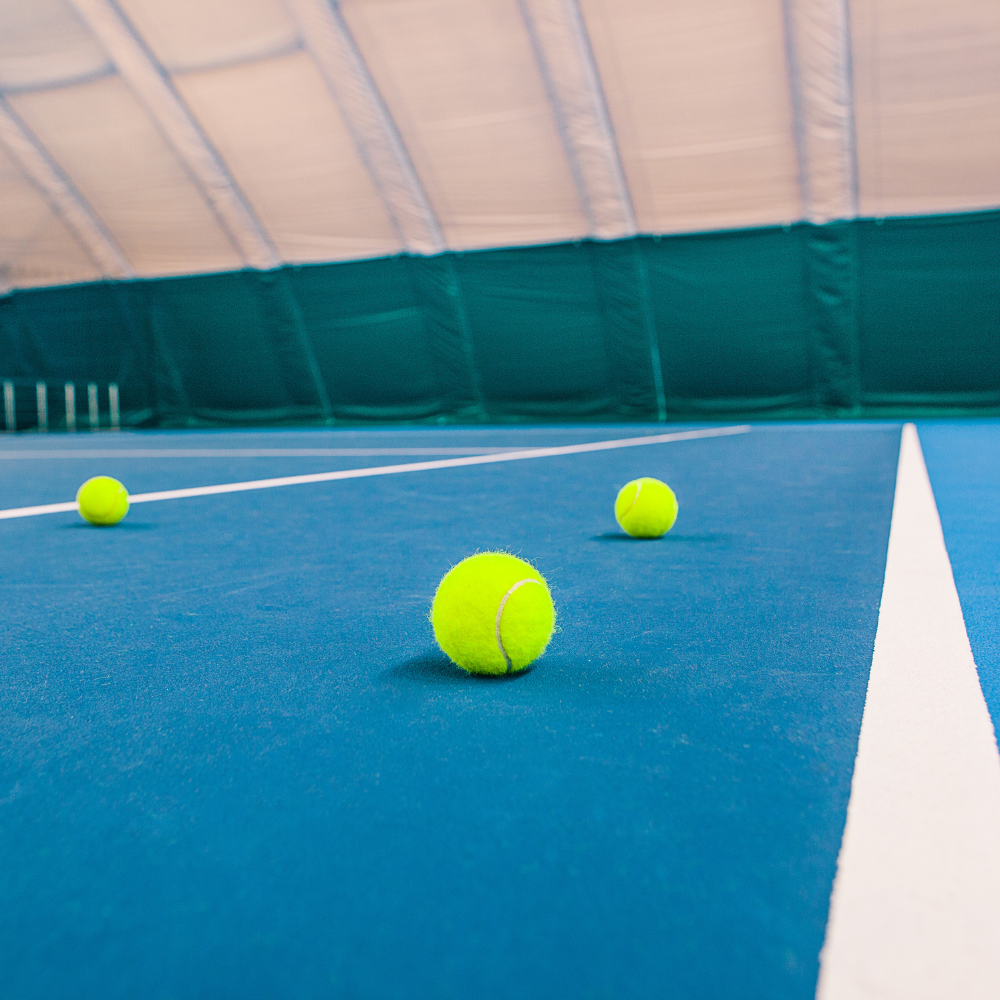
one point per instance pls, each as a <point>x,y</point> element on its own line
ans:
<point>493,614</point>
<point>646,508</point>
<point>102,500</point>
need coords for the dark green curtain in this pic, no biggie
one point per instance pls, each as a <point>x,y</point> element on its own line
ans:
<point>849,319</point>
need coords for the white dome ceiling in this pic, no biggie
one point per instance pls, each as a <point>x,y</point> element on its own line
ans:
<point>159,137</point>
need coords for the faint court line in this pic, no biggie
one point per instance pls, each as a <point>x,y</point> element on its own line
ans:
<point>244,452</point>
<point>388,470</point>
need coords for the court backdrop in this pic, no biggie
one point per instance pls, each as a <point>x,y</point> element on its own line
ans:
<point>236,211</point>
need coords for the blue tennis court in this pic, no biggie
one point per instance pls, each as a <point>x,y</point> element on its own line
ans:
<point>236,764</point>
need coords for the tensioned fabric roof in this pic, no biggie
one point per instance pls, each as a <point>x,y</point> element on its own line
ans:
<point>142,138</point>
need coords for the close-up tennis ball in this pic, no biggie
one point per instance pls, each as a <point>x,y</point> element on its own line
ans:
<point>646,508</point>
<point>493,614</point>
<point>102,500</point>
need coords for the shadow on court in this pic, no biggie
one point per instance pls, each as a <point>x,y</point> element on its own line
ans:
<point>620,536</point>
<point>121,526</point>
<point>435,668</point>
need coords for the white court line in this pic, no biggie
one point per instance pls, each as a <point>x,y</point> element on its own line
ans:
<point>915,911</point>
<point>242,452</point>
<point>388,470</point>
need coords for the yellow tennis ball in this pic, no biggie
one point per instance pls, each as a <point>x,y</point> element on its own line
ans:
<point>102,500</point>
<point>493,614</point>
<point>646,508</point>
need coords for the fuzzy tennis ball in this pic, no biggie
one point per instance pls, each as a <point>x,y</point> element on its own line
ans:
<point>493,614</point>
<point>646,508</point>
<point>102,500</point>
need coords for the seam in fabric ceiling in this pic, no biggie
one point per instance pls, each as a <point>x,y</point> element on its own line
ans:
<point>62,196</point>
<point>150,83</point>
<point>343,68</point>
<point>818,47</point>
<point>562,49</point>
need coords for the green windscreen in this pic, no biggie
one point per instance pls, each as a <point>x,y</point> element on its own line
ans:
<point>854,318</point>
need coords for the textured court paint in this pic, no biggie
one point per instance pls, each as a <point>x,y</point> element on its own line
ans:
<point>914,912</point>
<point>391,470</point>
<point>850,318</point>
<point>233,764</point>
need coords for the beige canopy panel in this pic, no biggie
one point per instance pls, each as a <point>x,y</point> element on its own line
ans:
<point>163,137</point>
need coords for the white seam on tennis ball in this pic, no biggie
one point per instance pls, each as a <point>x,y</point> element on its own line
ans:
<point>503,601</point>
<point>638,490</point>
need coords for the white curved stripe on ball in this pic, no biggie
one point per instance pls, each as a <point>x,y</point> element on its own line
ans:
<point>503,601</point>
<point>638,490</point>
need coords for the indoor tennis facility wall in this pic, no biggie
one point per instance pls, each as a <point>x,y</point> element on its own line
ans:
<point>858,317</point>
<point>237,211</point>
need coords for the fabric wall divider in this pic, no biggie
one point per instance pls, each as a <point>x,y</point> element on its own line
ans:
<point>855,318</point>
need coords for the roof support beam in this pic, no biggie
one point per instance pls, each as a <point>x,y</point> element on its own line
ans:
<point>64,199</point>
<point>329,41</point>
<point>150,83</point>
<point>818,43</point>
<point>562,48</point>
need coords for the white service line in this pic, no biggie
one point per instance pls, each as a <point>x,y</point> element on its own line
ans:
<point>915,910</point>
<point>388,470</point>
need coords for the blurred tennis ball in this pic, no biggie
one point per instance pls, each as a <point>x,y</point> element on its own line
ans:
<point>102,500</point>
<point>646,508</point>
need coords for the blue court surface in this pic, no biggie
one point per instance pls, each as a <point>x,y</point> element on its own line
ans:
<point>235,764</point>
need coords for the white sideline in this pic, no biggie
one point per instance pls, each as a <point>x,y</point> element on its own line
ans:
<point>915,910</point>
<point>388,470</point>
